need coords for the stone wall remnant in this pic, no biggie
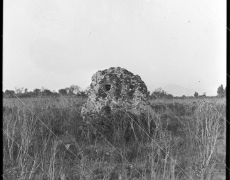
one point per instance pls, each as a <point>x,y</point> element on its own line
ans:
<point>115,89</point>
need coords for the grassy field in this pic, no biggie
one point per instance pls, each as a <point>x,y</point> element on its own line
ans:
<point>46,138</point>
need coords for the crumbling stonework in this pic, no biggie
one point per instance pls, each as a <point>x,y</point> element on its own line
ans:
<point>115,89</point>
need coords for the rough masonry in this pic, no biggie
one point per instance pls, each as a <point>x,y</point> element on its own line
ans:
<point>115,89</point>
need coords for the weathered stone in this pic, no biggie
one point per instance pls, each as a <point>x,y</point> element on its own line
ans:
<point>115,89</point>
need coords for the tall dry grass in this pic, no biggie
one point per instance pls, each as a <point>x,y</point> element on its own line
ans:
<point>173,141</point>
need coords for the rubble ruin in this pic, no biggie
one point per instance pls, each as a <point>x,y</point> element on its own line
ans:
<point>115,89</point>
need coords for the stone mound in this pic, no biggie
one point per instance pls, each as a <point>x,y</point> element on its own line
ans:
<point>115,89</point>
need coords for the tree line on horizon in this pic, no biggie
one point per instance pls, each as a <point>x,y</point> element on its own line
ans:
<point>161,94</point>
<point>75,90</point>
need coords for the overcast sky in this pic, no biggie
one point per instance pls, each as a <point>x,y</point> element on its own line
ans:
<point>58,43</point>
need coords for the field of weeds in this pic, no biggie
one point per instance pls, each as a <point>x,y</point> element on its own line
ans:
<point>47,139</point>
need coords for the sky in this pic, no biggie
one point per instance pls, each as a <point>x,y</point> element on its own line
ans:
<point>57,43</point>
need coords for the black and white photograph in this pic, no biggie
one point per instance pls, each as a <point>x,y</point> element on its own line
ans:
<point>114,90</point>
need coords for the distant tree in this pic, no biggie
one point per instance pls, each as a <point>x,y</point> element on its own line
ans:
<point>9,93</point>
<point>169,96</point>
<point>46,92</point>
<point>204,94</point>
<point>183,97</point>
<point>42,89</point>
<point>36,92</point>
<point>220,90</point>
<point>74,89</point>
<point>196,95</point>
<point>25,94</point>
<point>19,90</point>
<point>54,93</point>
<point>62,92</point>
<point>67,90</point>
<point>82,94</point>
<point>158,94</point>
<point>160,91</point>
<point>30,94</point>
